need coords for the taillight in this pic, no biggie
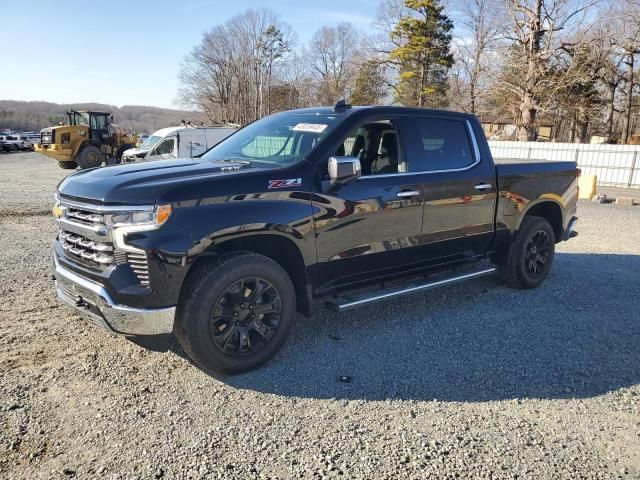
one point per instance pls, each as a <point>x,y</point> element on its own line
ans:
<point>578,173</point>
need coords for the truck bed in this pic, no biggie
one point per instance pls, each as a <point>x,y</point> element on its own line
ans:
<point>512,160</point>
<point>521,181</point>
<point>520,166</point>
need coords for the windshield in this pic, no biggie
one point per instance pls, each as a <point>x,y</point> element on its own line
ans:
<point>149,143</point>
<point>281,139</point>
<point>79,118</point>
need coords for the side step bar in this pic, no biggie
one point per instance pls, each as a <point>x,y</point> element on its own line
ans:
<point>348,303</point>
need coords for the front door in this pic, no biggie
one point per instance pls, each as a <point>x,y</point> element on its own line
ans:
<point>166,149</point>
<point>373,223</point>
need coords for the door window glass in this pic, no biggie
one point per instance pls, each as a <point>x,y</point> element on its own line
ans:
<point>165,147</point>
<point>442,144</point>
<point>377,146</point>
<point>99,122</point>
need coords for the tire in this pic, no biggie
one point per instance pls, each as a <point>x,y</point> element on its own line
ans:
<point>212,299</point>
<point>89,157</point>
<point>530,255</point>
<point>67,165</point>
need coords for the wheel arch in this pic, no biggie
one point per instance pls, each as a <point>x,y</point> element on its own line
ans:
<point>278,248</point>
<point>551,210</point>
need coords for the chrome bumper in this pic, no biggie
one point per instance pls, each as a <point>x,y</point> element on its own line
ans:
<point>94,303</point>
<point>570,230</point>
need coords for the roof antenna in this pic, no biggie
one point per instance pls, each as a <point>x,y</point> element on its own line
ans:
<point>341,105</point>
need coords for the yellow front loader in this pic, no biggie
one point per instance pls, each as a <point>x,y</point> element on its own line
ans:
<point>87,141</point>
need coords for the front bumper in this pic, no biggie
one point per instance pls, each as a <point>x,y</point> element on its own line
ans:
<point>92,301</point>
<point>54,151</point>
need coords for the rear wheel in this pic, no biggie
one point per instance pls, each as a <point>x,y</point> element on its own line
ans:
<point>235,313</point>
<point>67,165</point>
<point>89,157</point>
<point>530,255</point>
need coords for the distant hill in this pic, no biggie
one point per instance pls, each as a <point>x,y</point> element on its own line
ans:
<point>32,116</point>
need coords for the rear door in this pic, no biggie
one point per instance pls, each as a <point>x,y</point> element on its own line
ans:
<point>459,186</point>
<point>216,135</point>
<point>191,142</point>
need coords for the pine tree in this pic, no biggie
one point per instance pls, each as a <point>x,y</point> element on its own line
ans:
<point>424,56</point>
<point>369,88</point>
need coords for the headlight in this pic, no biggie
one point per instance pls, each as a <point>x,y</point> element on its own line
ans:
<point>156,217</point>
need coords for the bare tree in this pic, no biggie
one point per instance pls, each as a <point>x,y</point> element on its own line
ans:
<point>535,30</point>
<point>481,22</point>
<point>629,45</point>
<point>226,75</point>
<point>331,57</point>
<point>609,74</point>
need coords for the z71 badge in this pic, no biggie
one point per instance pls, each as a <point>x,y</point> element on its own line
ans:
<point>287,182</point>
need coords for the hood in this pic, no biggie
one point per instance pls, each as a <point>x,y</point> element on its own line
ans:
<point>142,183</point>
<point>132,152</point>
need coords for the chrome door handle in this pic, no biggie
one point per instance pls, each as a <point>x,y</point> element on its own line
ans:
<point>407,193</point>
<point>483,186</point>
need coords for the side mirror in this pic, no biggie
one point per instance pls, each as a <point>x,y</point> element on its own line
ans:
<point>344,169</point>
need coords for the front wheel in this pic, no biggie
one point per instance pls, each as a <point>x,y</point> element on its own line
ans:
<point>530,256</point>
<point>235,313</point>
<point>89,157</point>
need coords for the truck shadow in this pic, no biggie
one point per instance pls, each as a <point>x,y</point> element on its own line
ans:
<point>576,336</point>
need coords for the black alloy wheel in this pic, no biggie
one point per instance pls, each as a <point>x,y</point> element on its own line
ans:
<point>245,317</point>
<point>537,253</point>
<point>235,312</point>
<point>528,260</point>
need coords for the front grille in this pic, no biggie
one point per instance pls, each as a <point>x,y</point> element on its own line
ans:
<point>96,250</point>
<point>85,216</point>
<point>97,253</point>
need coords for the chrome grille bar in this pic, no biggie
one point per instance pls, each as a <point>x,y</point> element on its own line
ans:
<point>140,266</point>
<point>87,237</point>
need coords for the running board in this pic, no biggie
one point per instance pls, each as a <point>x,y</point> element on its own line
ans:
<point>343,304</point>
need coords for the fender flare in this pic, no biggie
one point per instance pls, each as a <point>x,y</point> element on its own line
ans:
<point>551,198</point>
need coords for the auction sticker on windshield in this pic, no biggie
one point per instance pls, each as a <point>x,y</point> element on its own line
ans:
<point>310,127</point>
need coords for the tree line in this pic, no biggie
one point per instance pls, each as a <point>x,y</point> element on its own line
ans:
<point>32,116</point>
<point>571,64</point>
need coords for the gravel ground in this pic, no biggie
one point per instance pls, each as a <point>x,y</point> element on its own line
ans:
<point>473,381</point>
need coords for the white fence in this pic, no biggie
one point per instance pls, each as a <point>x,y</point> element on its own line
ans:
<point>614,165</point>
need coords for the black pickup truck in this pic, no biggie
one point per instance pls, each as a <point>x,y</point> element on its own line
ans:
<point>348,204</point>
